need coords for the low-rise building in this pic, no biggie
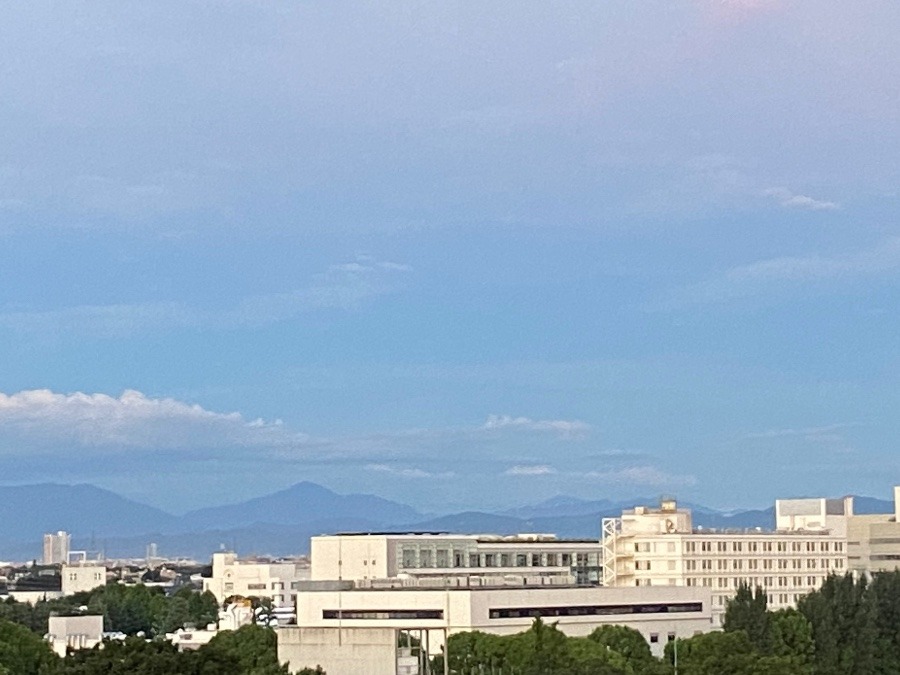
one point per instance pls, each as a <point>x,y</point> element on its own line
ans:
<point>363,556</point>
<point>234,577</point>
<point>82,577</point>
<point>69,633</point>
<point>341,627</point>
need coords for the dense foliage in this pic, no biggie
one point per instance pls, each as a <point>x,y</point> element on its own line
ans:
<point>848,627</point>
<point>126,609</point>
<point>250,650</point>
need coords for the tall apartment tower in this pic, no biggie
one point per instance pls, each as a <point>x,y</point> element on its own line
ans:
<point>56,548</point>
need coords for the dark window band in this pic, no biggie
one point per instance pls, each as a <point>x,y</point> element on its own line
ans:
<point>595,610</point>
<point>382,614</point>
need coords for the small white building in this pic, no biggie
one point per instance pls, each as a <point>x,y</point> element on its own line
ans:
<point>74,632</point>
<point>232,576</point>
<point>348,632</point>
<point>82,577</point>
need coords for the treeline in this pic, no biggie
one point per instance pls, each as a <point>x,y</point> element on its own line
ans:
<point>145,615</point>
<point>250,650</point>
<point>131,610</point>
<point>848,627</point>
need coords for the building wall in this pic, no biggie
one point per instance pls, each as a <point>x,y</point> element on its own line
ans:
<point>787,565</point>
<point>577,611</point>
<point>74,632</point>
<point>350,557</point>
<point>362,557</point>
<point>273,580</point>
<point>348,651</point>
<point>81,578</point>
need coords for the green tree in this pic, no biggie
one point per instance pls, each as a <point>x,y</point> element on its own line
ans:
<point>23,652</point>
<point>714,654</point>
<point>748,611</point>
<point>134,656</point>
<point>791,638</point>
<point>250,650</point>
<point>629,643</point>
<point>842,615</point>
<point>590,657</point>
<point>541,650</point>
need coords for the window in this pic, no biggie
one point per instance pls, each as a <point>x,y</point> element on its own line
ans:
<point>382,614</point>
<point>654,638</point>
<point>256,587</point>
<point>594,610</point>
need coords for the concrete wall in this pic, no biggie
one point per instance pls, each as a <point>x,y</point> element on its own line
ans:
<point>81,578</point>
<point>74,632</point>
<point>353,557</point>
<point>347,651</point>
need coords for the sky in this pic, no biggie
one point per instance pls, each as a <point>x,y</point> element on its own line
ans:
<point>460,255</point>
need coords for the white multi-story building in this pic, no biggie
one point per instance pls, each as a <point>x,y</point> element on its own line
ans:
<point>366,556</point>
<point>660,547</point>
<point>348,630</point>
<point>56,548</point>
<point>232,576</point>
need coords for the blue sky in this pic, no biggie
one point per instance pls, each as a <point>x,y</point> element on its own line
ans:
<point>460,256</point>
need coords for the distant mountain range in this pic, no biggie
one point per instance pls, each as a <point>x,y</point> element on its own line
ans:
<point>281,523</point>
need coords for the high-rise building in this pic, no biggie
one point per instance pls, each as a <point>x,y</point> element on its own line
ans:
<point>56,548</point>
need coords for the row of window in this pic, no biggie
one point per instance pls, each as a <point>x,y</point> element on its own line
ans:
<point>758,546</point>
<point>412,558</point>
<point>766,582</point>
<point>382,614</point>
<point>765,564</point>
<point>595,610</point>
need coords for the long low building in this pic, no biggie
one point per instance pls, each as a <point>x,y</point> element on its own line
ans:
<point>340,629</point>
<point>386,555</point>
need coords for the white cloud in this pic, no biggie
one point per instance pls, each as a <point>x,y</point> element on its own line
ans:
<point>639,475</point>
<point>773,275</point>
<point>41,419</point>
<point>407,472</point>
<point>530,470</point>
<point>789,200</point>
<point>565,428</point>
<point>805,432</point>
<point>344,287</point>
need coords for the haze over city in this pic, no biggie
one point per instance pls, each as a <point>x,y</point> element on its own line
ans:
<point>461,256</point>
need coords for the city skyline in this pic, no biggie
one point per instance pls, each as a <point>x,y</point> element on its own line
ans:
<point>455,256</point>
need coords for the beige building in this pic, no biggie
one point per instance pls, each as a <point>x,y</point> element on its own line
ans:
<point>232,576</point>
<point>366,556</point>
<point>81,578</point>
<point>355,630</point>
<point>873,541</point>
<point>660,547</point>
<point>74,632</point>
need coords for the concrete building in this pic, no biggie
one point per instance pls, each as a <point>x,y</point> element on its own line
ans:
<point>74,632</point>
<point>873,540</point>
<point>56,548</point>
<point>81,578</point>
<point>659,547</point>
<point>365,556</point>
<point>232,576</point>
<point>341,627</point>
